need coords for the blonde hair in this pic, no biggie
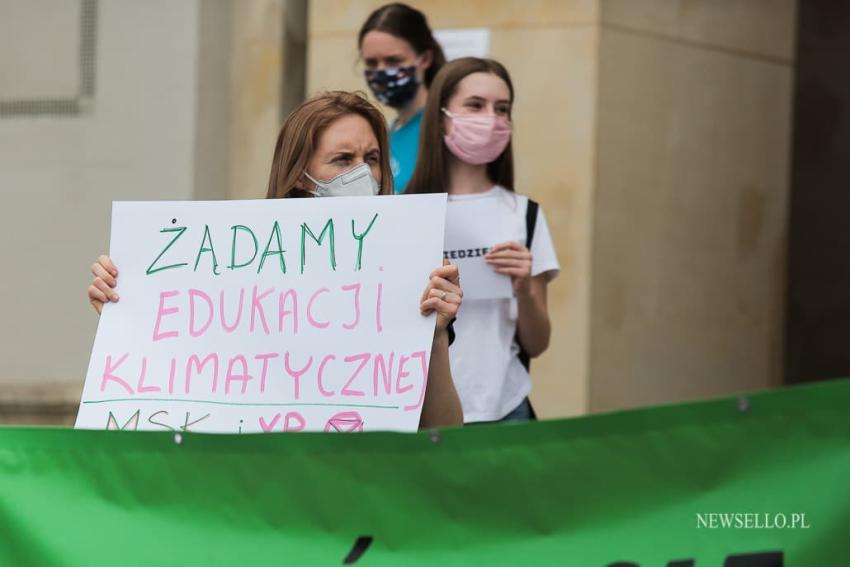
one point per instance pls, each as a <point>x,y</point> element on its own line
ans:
<point>300,134</point>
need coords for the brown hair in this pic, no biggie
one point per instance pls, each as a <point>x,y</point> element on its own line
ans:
<point>410,25</point>
<point>432,172</point>
<point>300,134</point>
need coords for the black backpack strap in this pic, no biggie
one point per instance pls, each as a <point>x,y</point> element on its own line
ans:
<point>530,224</point>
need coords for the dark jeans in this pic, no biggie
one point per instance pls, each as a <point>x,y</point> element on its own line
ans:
<point>520,413</point>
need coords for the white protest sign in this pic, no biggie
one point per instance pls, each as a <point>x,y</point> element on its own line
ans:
<point>472,227</point>
<point>272,315</point>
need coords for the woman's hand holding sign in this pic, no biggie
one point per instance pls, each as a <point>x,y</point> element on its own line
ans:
<point>105,279</point>
<point>443,295</point>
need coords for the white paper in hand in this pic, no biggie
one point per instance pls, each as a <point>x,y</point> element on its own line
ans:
<point>473,226</point>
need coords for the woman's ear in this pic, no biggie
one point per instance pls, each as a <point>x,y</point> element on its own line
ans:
<point>444,124</point>
<point>304,184</point>
<point>427,59</point>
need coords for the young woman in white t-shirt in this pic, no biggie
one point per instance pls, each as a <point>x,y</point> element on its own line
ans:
<point>465,150</point>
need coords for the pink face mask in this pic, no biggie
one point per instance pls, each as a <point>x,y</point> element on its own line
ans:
<point>477,139</point>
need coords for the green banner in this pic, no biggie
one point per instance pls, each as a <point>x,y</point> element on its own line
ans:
<point>741,482</point>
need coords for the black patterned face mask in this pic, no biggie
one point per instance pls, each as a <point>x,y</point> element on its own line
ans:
<point>394,87</point>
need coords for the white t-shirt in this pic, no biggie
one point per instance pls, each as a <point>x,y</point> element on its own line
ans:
<point>490,379</point>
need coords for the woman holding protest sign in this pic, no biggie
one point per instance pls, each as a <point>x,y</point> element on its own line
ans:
<point>466,152</point>
<point>401,58</point>
<point>336,144</point>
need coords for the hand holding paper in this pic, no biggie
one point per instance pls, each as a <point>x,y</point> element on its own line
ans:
<point>511,259</point>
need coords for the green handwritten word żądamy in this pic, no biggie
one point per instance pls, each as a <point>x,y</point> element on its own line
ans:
<point>245,250</point>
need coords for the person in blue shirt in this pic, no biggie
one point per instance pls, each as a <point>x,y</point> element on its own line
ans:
<point>401,58</point>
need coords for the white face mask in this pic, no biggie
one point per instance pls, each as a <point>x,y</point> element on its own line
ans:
<point>356,182</point>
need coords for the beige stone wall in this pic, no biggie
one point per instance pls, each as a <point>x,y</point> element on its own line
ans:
<point>187,105</point>
<point>693,149</point>
<point>133,140</point>
<point>255,83</point>
<point>656,135</point>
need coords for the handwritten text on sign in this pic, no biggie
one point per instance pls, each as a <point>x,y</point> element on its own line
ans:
<point>274,315</point>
